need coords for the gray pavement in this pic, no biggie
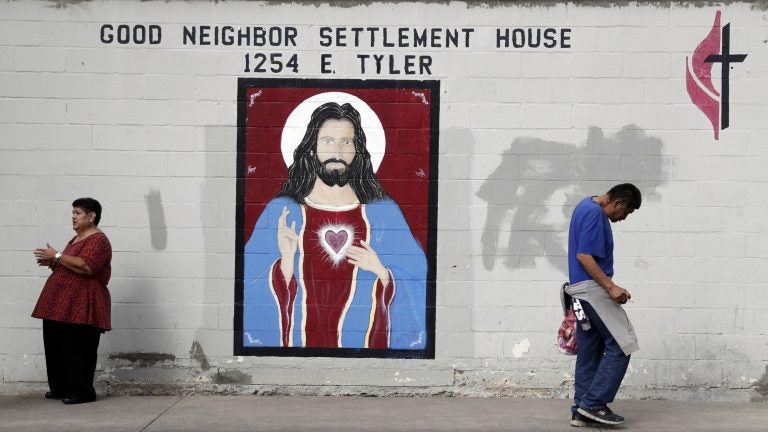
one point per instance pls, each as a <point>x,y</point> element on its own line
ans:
<point>283,413</point>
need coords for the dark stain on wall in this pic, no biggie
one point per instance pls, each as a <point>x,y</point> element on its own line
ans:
<point>759,5</point>
<point>197,353</point>
<point>231,377</point>
<point>141,359</point>
<point>157,228</point>
<point>755,5</point>
<point>532,171</point>
<point>761,387</point>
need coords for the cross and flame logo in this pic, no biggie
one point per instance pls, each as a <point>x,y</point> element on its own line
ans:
<point>715,48</point>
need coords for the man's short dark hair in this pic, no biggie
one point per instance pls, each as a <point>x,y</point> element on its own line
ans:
<point>627,193</point>
<point>90,205</point>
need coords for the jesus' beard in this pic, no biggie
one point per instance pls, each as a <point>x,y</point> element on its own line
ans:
<point>333,176</point>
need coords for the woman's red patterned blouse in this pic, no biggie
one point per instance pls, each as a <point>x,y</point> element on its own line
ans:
<point>75,298</point>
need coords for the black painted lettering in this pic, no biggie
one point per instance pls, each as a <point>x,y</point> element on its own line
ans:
<point>275,59</point>
<point>260,59</point>
<point>341,36</point>
<point>275,36</point>
<point>123,34</point>
<point>205,35</point>
<point>409,66</point>
<point>236,35</point>
<point>550,38</point>
<point>392,70</point>
<point>372,31</point>
<point>293,63</point>
<point>534,37</point>
<point>502,38</point>
<point>363,58</point>
<point>420,39</point>
<point>244,36</point>
<point>106,34</point>
<point>467,32</point>
<point>227,35</point>
<point>189,35</point>
<point>290,36</point>
<point>378,58</point>
<point>259,36</point>
<point>387,42</point>
<point>155,34</point>
<point>436,39</point>
<point>518,38</point>
<point>424,63</point>
<point>325,64</point>
<point>357,31</point>
<point>139,34</point>
<point>402,37</point>
<point>451,37</point>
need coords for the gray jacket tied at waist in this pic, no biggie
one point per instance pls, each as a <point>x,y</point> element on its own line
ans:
<point>611,313</point>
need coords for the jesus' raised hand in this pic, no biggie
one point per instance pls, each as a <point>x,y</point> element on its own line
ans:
<point>287,243</point>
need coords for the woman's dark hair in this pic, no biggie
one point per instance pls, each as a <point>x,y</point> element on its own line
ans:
<point>303,171</point>
<point>90,205</point>
<point>627,193</point>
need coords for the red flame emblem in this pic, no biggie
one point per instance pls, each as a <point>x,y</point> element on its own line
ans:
<point>698,77</point>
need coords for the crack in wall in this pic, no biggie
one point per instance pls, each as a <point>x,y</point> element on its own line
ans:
<point>143,359</point>
<point>197,353</point>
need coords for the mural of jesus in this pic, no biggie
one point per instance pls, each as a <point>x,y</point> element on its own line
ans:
<point>332,262</point>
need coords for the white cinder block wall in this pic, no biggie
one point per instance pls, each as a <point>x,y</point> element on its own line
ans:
<point>150,131</point>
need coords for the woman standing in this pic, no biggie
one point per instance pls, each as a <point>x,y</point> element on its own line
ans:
<point>75,305</point>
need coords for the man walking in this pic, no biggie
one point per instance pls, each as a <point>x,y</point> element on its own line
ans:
<point>605,337</point>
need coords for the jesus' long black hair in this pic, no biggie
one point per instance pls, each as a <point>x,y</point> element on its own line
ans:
<point>303,170</point>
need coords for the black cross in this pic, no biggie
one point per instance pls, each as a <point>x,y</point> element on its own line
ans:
<point>725,58</point>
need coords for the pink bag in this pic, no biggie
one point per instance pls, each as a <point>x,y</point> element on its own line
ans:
<point>566,335</point>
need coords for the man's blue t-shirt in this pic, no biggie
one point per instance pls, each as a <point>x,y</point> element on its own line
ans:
<point>589,233</point>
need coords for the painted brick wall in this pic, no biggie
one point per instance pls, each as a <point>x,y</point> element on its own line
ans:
<point>151,131</point>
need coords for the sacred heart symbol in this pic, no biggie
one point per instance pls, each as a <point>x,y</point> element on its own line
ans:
<point>336,239</point>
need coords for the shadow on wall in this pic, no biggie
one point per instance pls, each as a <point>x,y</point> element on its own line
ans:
<point>531,195</point>
<point>157,228</point>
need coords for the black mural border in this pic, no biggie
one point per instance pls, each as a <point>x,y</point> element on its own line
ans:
<point>243,84</point>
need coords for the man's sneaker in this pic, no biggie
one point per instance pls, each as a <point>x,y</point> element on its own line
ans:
<point>601,415</point>
<point>578,420</point>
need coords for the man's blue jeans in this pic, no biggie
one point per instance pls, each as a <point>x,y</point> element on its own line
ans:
<point>600,364</point>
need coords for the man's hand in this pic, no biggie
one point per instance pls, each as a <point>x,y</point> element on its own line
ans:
<point>367,259</point>
<point>619,294</point>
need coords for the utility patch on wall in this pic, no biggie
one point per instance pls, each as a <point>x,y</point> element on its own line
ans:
<point>336,217</point>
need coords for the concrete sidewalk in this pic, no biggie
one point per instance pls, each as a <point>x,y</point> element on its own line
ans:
<point>281,413</point>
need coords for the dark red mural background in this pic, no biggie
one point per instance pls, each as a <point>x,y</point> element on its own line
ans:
<point>405,114</point>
